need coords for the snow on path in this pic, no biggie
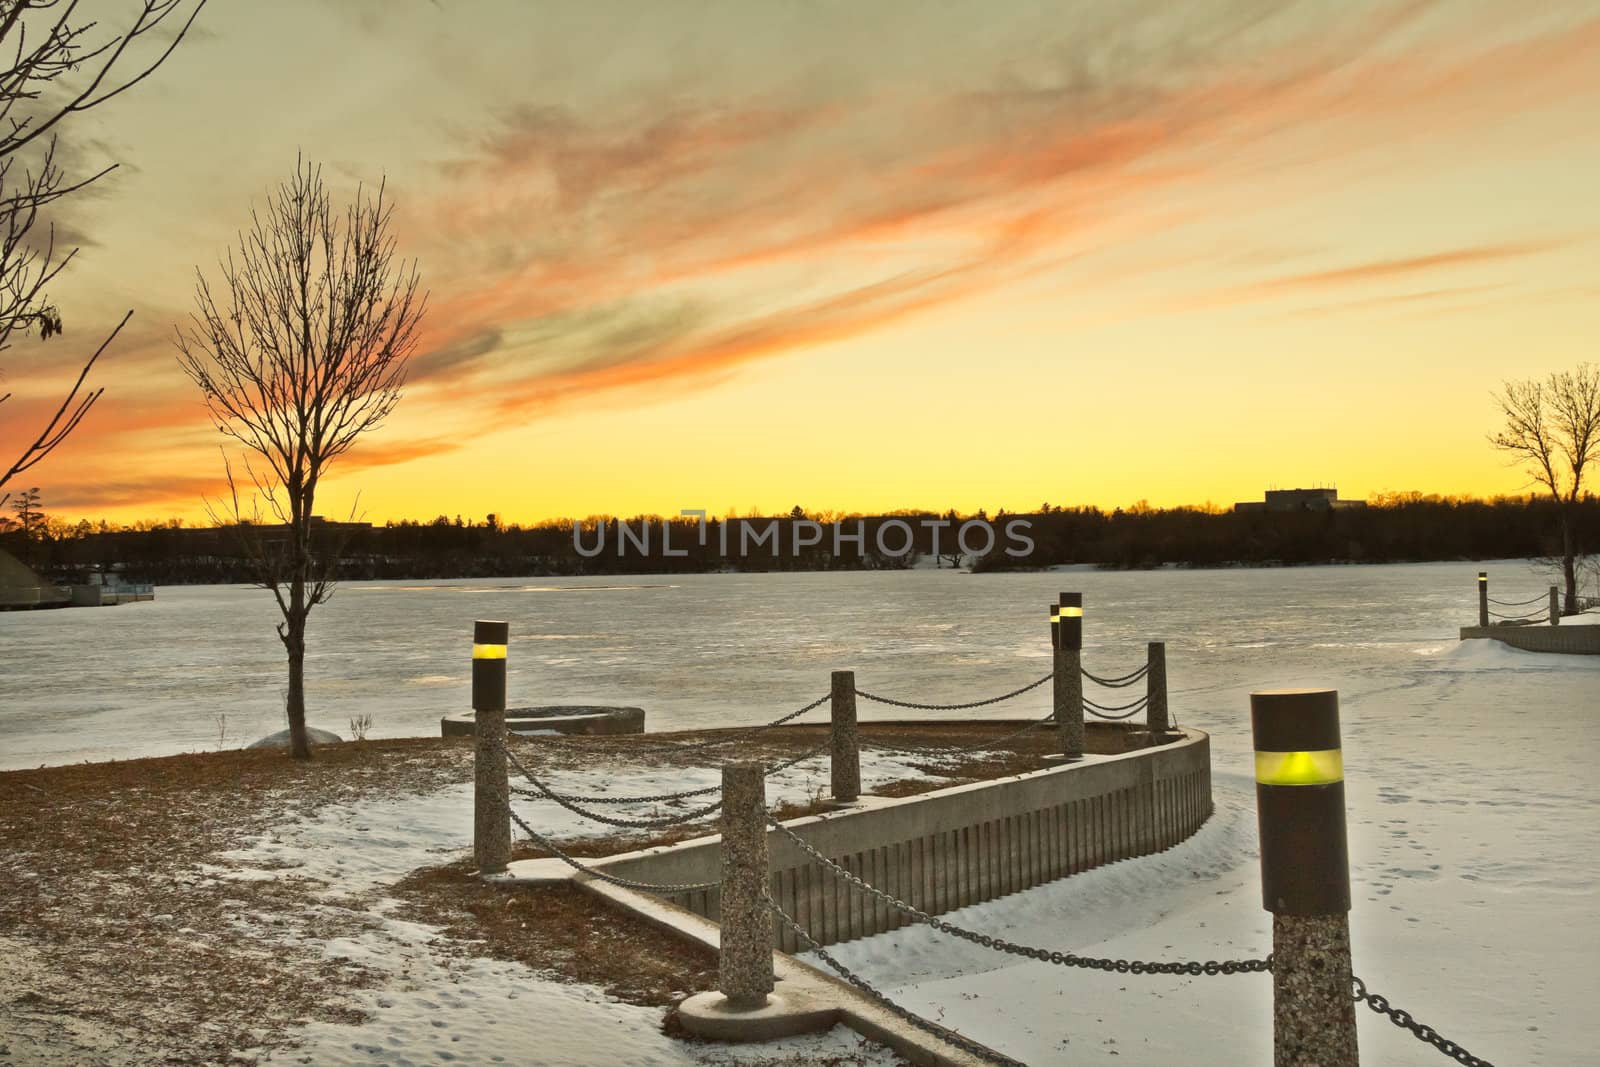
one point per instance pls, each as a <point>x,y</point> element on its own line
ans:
<point>1475,858</point>
<point>434,1007</point>
<point>359,848</point>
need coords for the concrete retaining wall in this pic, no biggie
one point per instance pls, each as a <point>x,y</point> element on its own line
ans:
<point>963,845</point>
<point>1569,639</point>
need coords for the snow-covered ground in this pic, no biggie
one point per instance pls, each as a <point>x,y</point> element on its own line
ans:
<point>1475,848</point>
<point>436,1007</point>
<point>1470,774</point>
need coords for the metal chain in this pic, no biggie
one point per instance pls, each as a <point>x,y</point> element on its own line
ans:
<point>609,820</point>
<point>966,1044</point>
<point>955,750</point>
<point>1421,1031</point>
<point>1516,618</point>
<point>953,707</point>
<point>690,746</point>
<point>786,764</point>
<point>571,801</point>
<point>1119,681</point>
<point>1517,603</point>
<point>1102,711</point>
<point>627,883</point>
<point>653,798</point>
<point>999,944</point>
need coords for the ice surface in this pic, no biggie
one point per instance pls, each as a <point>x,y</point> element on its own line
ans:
<point>693,651</point>
<point>1471,771</point>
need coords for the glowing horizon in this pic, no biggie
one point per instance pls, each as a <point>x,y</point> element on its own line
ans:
<point>858,261</point>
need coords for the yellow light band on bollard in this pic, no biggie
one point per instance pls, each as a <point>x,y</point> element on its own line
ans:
<point>1300,768</point>
<point>1483,577</point>
<point>1072,613</point>
<point>488,651</point>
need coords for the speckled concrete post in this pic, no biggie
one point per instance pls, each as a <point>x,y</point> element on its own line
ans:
<point>1313,1015</point>
<point>1067,695</point>
<point>1305,874</point>
<point>1483,598</point>
<point>1155,689</point>
<point>1555,606</point>
<point>491,836</point>
<point>744,973</point>
<point>845,762</point>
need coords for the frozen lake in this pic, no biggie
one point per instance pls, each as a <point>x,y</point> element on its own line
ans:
<point>1474,842</point>
<point>148,679</point>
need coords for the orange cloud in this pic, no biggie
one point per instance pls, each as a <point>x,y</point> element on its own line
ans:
<point>666,242</point>
<point>710,214</point>
<point>1373,271</point>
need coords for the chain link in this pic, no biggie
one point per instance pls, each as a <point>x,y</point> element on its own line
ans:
<point>1421,1031</point>
<point>627,883</point>
<point>652,798</point>
<point>786,764</point>
<point>1518,603</point>
<point>953,750</point>
<point>609,820</point>
<point>966,1044</point>
<point>740,735</point>
<point>1000,944</point>
<point>1516,618</point>
<point>953,707</point>
<point>1102,711</point>
<point>1119,681</point>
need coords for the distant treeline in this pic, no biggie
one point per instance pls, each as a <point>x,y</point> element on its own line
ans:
<point>1395,528</point>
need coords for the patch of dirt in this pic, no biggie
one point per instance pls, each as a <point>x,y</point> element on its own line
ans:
<point>99,879</point>
<point>120,948</point>
<point>558,929</point>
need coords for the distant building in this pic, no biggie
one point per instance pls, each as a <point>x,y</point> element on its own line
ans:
<point>1299,500</point>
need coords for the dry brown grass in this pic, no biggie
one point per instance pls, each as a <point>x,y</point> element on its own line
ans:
<point>99,878</point>
<point>115,926</point>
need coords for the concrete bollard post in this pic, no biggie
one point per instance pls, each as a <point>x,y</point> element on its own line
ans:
<point>744,972</point>
<point>491,836</point>
<point>844,762</point>
<point>1305,875</point>
<point>1155,689</point>
<point>1555,606</point>
<point>1066,628</point>
<point>1483,598</point>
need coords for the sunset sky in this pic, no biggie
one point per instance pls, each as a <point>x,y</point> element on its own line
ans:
<point>865,256</point>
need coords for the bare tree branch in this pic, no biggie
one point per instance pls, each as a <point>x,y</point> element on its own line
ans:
<point>55,64</point>
<point>1552,429</point>
<point>300,350</point>
<point>71,412</point>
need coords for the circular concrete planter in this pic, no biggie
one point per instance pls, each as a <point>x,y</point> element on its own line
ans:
<point>554,718</point>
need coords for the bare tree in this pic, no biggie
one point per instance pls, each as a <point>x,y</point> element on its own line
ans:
<point>1553,429</point>
<point>305,351</point>
<point>55,64</point>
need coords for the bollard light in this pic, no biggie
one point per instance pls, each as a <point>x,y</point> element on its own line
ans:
<point>489,640</point>
<point>1305,867</point>
<point>1483,598</point>
<point>1305,875</point>
<point>1070,616</point>
<point>491,834</point>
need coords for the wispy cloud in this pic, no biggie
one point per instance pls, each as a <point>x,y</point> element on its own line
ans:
<point>787,222</point>
<point>1375,272</point>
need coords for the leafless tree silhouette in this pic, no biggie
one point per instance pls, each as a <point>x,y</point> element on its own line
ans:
<point>56,63</point>
<point>305,351</point>
<point>1553,429</point>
